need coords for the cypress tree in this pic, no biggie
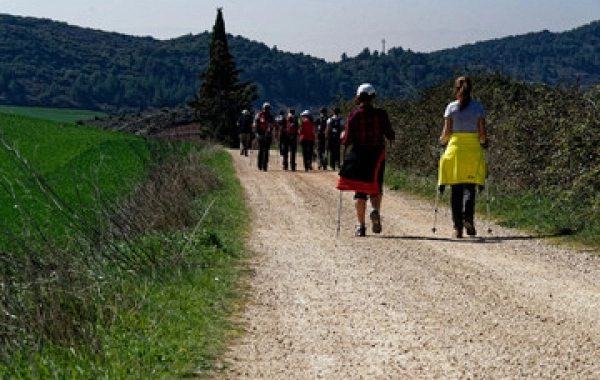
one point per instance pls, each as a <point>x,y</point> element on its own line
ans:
<point>222,97</point>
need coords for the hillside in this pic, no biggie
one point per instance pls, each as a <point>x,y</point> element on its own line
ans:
<point>52,64</point>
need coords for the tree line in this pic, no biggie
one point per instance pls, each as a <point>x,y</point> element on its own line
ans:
<point>53,64</point>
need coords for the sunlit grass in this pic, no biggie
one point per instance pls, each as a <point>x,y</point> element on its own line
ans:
<point>544,216</point>
<point>155,304</point>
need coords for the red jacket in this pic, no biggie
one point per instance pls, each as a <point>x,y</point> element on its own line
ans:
<point>264,122</point>
<point>307,129</point>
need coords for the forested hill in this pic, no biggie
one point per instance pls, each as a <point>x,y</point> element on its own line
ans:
<point>53,64</point>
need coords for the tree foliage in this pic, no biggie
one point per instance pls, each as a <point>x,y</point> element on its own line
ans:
<point>52,64</point>
<point>222,97</point>
<point>544,140</point>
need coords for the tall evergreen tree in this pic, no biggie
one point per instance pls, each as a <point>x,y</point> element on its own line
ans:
<point>222,97</point>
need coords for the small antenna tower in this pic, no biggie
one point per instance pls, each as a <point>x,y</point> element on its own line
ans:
<point>383,46</point>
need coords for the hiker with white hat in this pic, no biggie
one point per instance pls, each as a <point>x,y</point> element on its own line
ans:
<point>367,129</point>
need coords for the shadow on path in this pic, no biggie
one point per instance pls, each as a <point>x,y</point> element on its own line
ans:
<point>478,239</point>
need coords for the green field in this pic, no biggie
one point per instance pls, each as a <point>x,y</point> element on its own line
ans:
<point>92,288</point>
<point>75,161</point>
<point>54,114</point>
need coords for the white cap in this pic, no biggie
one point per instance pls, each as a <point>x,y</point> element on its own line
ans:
<point>266,104</point>
<point>305,113</point>
<point>246,112</point>
<point>366,88</point>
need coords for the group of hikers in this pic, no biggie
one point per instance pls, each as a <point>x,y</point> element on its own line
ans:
<point>363,136</point>
<point>320,138</point>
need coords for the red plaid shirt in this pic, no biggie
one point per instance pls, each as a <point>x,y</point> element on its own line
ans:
<point>367,127</point>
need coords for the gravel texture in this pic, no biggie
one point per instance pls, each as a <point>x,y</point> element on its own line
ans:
<point>407,303</point>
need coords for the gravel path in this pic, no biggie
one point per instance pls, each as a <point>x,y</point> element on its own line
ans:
<point>405,304</point>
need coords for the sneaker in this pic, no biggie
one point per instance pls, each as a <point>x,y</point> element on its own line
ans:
<point>470,229</point>
<point>375,221</point>
<point>361,230</point>
<point>457,234</point>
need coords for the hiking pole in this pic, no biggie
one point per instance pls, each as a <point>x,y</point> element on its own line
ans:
<point>487,205</point>
<point>487,195</point>
<point>339,215</point>
<point>438,190</point>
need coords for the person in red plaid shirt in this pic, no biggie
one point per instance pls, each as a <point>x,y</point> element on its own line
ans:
<point>367,129</point>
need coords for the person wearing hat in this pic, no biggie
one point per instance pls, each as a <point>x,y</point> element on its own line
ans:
<point>307,138</point>
<point>288,151</point>
<point>264,125</point>
<point>244,124</point>
<point>367,129</point>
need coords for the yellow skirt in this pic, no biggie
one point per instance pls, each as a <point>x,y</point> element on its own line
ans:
<point>463,161</point>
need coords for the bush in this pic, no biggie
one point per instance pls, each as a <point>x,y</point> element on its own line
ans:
<point>544,141</point>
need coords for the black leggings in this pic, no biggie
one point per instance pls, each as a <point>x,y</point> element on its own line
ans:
<point>463,203</point>
<point>307,153</point>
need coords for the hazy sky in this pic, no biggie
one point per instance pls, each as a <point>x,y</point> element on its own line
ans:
<point>323,28</point>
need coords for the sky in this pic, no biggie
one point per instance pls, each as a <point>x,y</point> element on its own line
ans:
<point>322,28</point>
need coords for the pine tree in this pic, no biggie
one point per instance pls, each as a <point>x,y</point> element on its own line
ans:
<point>222,97</point>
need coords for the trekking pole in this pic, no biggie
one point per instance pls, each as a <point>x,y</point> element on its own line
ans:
<point>487,205</point>
<point>339,215</point>
<point>438,191</point>
<point>487,195</point>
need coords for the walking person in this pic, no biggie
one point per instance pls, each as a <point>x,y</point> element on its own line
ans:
<point>321,138</point>
<point>244,124</point>
<point>281,132</point>
<point>463,166</point>
<point>264,125</point>
<point>335,126</point>
<point>367,129</point>
<point>307,138</point>
<point>290,145</point>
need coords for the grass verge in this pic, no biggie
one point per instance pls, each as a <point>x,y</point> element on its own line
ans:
<point>183,322</point>
<point>544,216</point>
<point>154,303</point>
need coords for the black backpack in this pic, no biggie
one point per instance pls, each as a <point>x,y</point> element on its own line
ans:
<point>335,127</point>
<point>321,126</point>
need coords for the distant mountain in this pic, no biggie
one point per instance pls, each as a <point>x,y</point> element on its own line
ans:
<point>53,64</point>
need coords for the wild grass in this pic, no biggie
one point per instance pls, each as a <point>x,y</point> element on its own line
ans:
<point>542,216</point>
<point>134,282</point>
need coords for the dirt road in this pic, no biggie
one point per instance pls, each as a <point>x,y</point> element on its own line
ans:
<point>405,304</point>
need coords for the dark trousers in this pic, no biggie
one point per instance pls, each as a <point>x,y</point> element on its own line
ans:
<point>334,154</point>
<point>287,149</point>
<point>462,200</point>
<point>307,153</point>
<point>245,139</point>
<point>322,152</point>
<point>264,145</point>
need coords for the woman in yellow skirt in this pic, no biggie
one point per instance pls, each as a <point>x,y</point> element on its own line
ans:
<point>463,166</point>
